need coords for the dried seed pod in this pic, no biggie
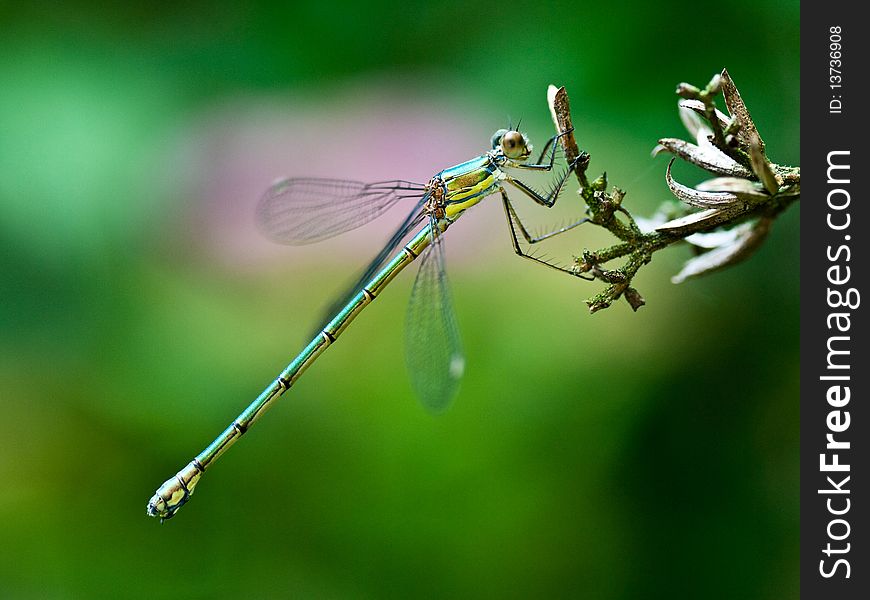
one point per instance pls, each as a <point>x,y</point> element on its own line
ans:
<point>708,158</point>
<point>748,134</point>
<point>742,188</point>
<point>762,169</point>
<point>742,242</point>
<point>696,197</point>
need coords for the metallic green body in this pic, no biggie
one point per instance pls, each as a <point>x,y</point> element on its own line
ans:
<point>468,183</point>
<point>177,490</point>
<point>453,191</point>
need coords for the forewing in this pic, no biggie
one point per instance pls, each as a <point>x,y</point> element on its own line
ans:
<point>305,210</point>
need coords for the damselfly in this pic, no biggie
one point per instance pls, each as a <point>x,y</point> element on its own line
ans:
<point>300,211</point>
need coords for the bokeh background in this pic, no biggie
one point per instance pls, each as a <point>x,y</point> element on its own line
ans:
<point>617,455</point>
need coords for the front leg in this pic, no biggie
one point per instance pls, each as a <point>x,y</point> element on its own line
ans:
<point>514,222</point>
<point>550,199</point>
<point>540,165</point>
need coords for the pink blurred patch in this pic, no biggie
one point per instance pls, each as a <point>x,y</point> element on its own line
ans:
<point>370,133</point>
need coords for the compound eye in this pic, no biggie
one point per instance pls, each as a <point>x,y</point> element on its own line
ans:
<point>513,144</point>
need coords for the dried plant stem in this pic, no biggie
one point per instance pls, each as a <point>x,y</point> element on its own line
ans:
<point>765,191</point>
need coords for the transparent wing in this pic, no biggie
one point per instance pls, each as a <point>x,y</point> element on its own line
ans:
<point>433,348</point>
<point>304,210</point>
<point>411,222</point>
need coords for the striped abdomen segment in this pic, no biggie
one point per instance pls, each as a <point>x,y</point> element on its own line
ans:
<point>315,348</point>
<point>177,490</point>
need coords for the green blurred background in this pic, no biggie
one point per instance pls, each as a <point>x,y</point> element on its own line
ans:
<point>618,455</point>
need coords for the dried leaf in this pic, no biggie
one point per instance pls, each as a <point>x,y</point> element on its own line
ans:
<point>748,134</point>
<point>741,247</point>
<point>691,121</point>
<point>698,198</point>
<point>708,158</point>
<point>742,188</point>
<point>560,111</point>
<point>762,168</point>
<point>704,219</point>
<point>693,108</point>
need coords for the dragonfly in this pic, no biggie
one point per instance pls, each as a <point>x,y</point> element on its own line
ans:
<point>306,210</point>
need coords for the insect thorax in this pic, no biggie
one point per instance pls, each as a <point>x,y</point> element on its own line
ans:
<point>437,190</point>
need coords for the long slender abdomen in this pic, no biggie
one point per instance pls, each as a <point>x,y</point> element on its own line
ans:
<point>177,490</point>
